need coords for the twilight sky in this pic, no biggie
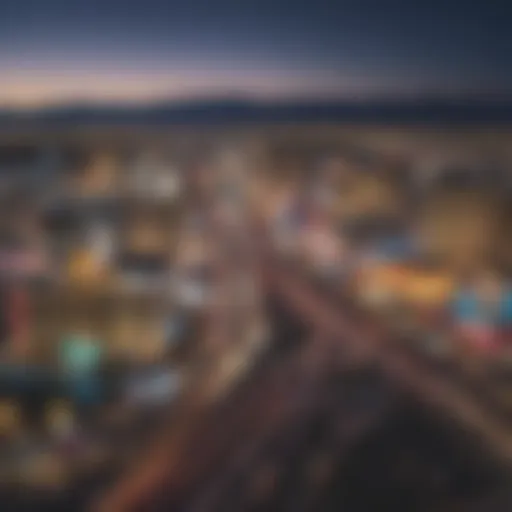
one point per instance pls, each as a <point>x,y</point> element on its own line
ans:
<point>54,51</point>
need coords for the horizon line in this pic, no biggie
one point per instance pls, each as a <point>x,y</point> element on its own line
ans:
<point>257,100</point>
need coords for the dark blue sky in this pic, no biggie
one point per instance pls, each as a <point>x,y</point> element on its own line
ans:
<point>61,50</point>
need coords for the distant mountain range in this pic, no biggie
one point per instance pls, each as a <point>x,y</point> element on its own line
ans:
<point>203,112</point>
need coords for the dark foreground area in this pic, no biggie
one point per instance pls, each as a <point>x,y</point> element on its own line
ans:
<point>338,437</point>
<point>356,449</point>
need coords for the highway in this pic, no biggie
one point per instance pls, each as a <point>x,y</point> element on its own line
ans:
<point>327,384</point>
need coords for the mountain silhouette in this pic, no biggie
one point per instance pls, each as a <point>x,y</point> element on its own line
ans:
<point>246,111</point>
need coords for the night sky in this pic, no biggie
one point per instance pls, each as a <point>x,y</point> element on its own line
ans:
<point>126,50</point>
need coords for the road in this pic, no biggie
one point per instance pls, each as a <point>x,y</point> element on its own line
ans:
<point>262,430</point>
